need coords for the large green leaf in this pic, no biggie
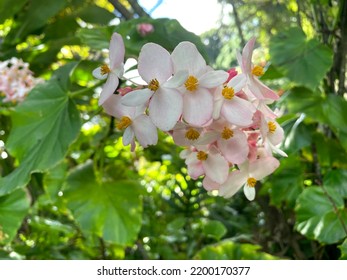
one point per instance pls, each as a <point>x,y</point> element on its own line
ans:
<point>44,126</point>
<point>336,180</point>
<point>110,210</point>
<point>303,61</point>
<point>214,229</point>
<point>34,16</point>
<point>13,208</point>
<point>11,7</point>
<point>343,248</point>
<point>167,32</point>
<point>316,217</point>
<point>287,182</point>
<point>95,14</point>
<point>228,250</point>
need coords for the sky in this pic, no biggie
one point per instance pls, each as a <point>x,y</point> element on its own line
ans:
<point>197,16</point>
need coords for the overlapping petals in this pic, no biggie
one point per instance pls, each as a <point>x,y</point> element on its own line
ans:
<point>114,70</point>
<point>223,119</point>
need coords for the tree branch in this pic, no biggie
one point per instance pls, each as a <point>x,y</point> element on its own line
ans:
<point>138,9</point>
<point>238,23</point>
<point>120,8</point>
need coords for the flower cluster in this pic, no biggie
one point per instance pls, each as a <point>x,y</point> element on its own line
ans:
<point>16,80</point>
<point>221,118</point>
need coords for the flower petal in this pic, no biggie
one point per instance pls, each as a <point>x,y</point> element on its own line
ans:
<point>234,149</point>
<point>247,56</point>
<point>117,51</point>
<point>177,80</point>
<point>260,90</point>
<point>187,57</point>
<point>263,167</point>
<point>238,111</point>
<point>249,192</point>
<point>165,108</point>
<point>216,167</point>
<point>128,136</point>
<point>235,181</point>
<point>155,63</point>
<point>109,88</point>
<point>97,74</point>
<point>137,97</point>
<point>145,131</point>
<point>210,185</point>
<point>238,82</point>
<point>213,79</point>
<point>277,136</point>
<point>198,107</point>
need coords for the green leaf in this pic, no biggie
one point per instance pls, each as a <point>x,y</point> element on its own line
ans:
<point>34,16</point>
<point>96,14</point>
<point>13,208</point>
<point>54,179</point>
<point>110,210</point>
<point>343,249</point>
<point>336,180</point>
<point>334,109</point>
<point>228,250</point>
<point>44,126</point>
<point>316,217</point>
<point>96,38</point>
<point>214,229</point>
<point>303,61</point>
<point>11,7</point>
<point>287,182</point>
<point>303,100</point>
<point>167,32</point>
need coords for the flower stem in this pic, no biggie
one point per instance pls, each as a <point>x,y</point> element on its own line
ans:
<point>81,92</point>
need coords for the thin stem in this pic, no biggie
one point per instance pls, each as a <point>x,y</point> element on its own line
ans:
<point>80,92</point>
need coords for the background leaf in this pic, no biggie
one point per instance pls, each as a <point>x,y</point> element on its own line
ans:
<point>13,208</point>
<point>303,61</point>
<point>111,210</point>
<point>316,217</point>
<point>228,250</point>
<point>43,128</point>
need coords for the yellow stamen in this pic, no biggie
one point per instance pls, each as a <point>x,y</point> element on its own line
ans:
<point>153,85</point>
<point>192,134</point>
<point>124,123</point>
<point>228,93</point>
<point>202,155</point>
<point>191,83</point>
<point>258,71</point>
<point>251,182</point>
<point>271,126</point>
<point>104,69</point>
<point>227,133</point>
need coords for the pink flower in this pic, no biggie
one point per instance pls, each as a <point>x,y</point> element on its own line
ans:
<point>234,109</point>
<point>16,80</point>
<point>231,141</point>
<point>208,162</point>
<point>144,29</point>
<point>197,98</point>
<point>134,122</point>
<point>272,134</point>
<point>114,70</point>
<point>187,135</point>
<point>232,73</point>
<point>165,101</point>
<point>257,88</point>
<point>247,176</point>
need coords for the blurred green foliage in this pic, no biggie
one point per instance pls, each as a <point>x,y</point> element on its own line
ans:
<point>70,190</point>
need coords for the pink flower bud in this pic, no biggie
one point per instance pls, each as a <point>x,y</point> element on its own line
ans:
<point>144,29</point>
